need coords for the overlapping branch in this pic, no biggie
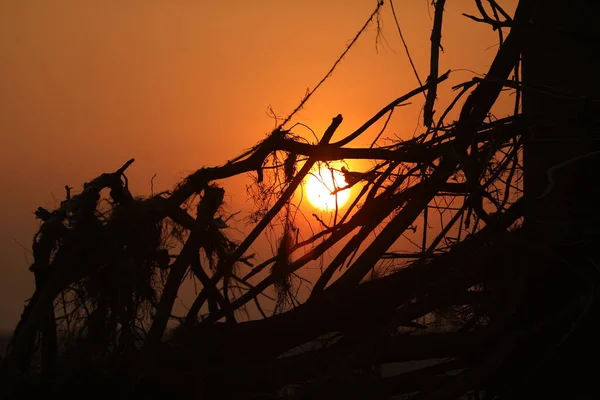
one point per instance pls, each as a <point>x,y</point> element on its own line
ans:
<point>116,265</point>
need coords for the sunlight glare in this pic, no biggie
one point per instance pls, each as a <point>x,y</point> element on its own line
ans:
<point>321,183</point>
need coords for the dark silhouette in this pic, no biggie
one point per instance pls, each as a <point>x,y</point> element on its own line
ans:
<point>513,271</point>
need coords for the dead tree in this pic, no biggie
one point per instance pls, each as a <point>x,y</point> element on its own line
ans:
<point>512,266</point>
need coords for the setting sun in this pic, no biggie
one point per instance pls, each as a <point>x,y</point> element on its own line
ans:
<point>319,187</point>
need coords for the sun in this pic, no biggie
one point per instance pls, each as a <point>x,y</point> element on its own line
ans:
<point>319,187</point>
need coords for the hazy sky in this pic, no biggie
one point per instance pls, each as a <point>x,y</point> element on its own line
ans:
<point>181,84</point>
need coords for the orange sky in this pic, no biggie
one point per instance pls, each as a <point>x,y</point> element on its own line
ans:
<point>183,84</point>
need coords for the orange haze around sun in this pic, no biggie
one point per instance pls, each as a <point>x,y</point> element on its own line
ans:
<point>180,85</point>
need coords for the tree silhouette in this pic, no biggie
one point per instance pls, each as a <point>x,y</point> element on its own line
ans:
<point>513,266</point>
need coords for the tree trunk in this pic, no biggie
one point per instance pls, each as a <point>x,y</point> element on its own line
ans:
<point>560,85</point>
<point>560,66</point>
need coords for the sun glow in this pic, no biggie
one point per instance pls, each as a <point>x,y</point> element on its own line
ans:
<point>319,187</point>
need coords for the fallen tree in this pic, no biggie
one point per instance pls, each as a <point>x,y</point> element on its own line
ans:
<point>512,267</point>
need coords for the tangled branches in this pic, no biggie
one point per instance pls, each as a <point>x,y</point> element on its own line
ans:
<point>109,269</point>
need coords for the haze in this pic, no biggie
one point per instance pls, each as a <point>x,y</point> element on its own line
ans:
<point>84,86</point>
